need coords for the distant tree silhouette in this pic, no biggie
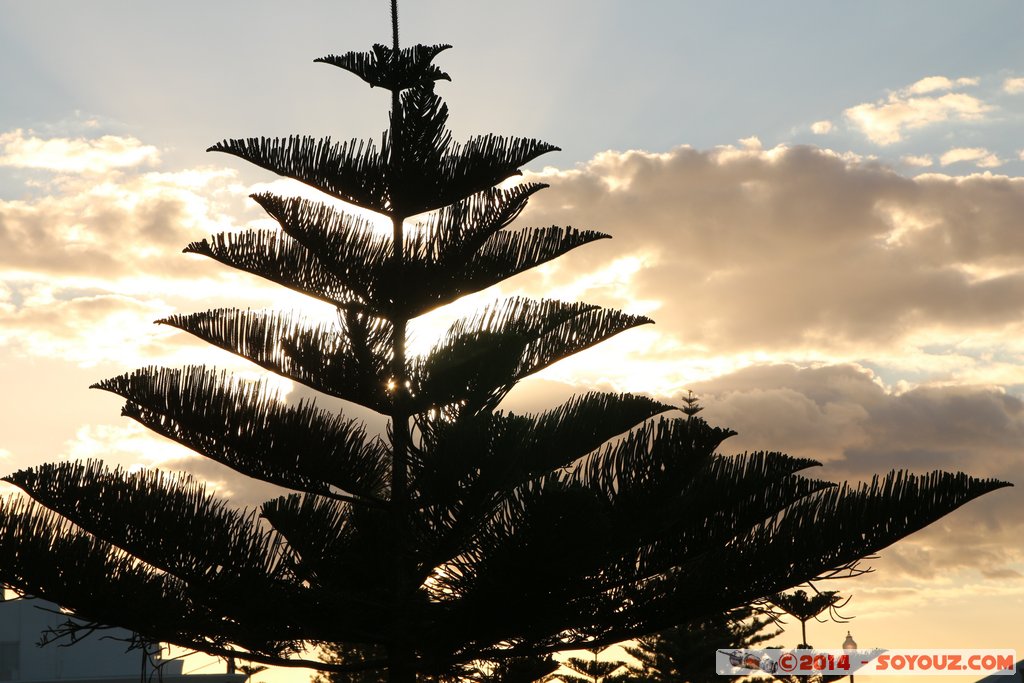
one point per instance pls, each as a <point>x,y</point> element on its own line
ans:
<point>686,653</point>
<point>804,607</point>
<point>465,533</point>
<point>692,406</point>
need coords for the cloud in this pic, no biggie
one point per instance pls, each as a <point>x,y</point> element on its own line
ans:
<point>1013,86</point>
<point>753,143</point>
<point>129,445</point>
<point>886,121</point>
<point>821,127</point>
<point>981,157</point>
<point>938,83</point>
<point>90,260</point>
<point>23,149</point>
<point>115,226</point>
<point>921,161</point>
<point>793,252</point>
<point>87,329</point>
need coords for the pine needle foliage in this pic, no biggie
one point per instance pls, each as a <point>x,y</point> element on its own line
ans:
<point>593,665</point>
<point>466,533</point>
<point>591,670</point>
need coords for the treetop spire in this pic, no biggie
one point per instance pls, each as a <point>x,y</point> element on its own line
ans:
<point>394,25</point>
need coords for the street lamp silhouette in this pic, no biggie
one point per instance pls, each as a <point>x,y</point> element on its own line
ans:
<point>850,646</point>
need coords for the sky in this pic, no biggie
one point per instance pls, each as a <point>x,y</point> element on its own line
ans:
<point>820,205</point>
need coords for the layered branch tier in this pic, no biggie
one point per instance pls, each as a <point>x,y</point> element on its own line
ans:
<point>492,452</point>
<point>698,564</point>
<point>117,507</point>
<point>358,173</point>
<point>242,425</point>
<point>277,257</point>
<point>382,67</point>
<point>417,167</point>
<point>349,361</point>
<point>472,368</point>
<point>639,557</point>
<point>45,555</point>
<point>481,357</point>
<point>348,261</point>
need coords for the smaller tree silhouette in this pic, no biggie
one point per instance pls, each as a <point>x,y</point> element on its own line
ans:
<point>804,607</point>
<point>692,406</point>
<point>687,652</point>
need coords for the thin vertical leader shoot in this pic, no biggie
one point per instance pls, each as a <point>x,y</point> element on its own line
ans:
<point>394,25</point>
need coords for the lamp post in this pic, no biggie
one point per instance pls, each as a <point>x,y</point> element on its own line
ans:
<point>850,646</point>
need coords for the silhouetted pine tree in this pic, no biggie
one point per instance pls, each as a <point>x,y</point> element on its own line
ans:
<point>804,607</point>
<point>466,533</point>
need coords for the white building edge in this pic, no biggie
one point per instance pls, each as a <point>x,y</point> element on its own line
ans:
<point>102,657</point>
